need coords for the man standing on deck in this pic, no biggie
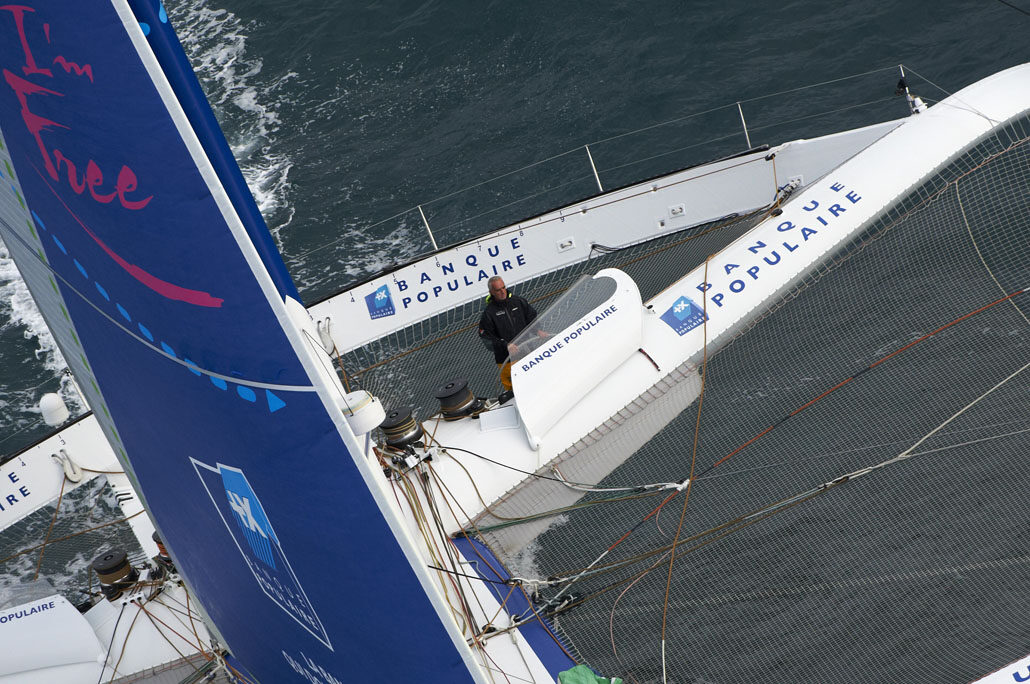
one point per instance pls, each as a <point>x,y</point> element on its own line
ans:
<point>505,316</point>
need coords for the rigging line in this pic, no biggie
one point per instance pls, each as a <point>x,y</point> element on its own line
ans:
<point>456,559</point>
<point>172,630</point>
<point>453,553</point>
<point>822,457</point>
<point>615,605</point>
<point>509,583</point>
<point>503,465</point>
<point>182,656</point>
<point>125,642</point>
<point>46,540</point>
<point>693,456</point>
<point>69,536</point>
<point>21,430</point>
<point>596,142</point>
<point>189,614</point>
<point>969,230</point>
<point>856,375</point>
<point>146,343</point>
<point>908,452</point>
<point>969,108</point>
<point>559,217</point>
<point>643,490</point>
<point>544,514</point>
<point>581,487</point>
<point>752,99</point>
<point>489,565</point>
<point>549,188</point>
<point>157,598</point>
<point>461,613</point>
<point>1018,9</point>
<point>110,644</point>
<point>445,553</point>
<point>752,128</point>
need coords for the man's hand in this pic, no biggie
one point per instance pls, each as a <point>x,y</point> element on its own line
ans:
<point>513,348</point>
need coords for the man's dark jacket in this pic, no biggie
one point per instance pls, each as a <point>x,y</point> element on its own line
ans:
<point>502,321</point>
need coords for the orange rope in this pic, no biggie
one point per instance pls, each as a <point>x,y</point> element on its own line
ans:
<point>50,529</point>
<point>867,368</point>
<point>69,536</point>
<point>693,459</point>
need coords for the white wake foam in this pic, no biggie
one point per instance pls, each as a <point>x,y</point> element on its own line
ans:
<point>245,103</point>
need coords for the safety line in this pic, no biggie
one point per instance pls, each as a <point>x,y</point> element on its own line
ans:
<point>856,375</point>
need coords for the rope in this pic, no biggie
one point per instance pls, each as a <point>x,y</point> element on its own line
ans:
<point>154,620</point>
<point>578,148</point>
<point>46,539</point>
<point>110,644</point>
<point>979,254</point>
<point>69,536</point>
<point>856,375</point>
<point>967,107</point>
<point>125,642</point>
<point>21,430</point>
<point>693,459</point>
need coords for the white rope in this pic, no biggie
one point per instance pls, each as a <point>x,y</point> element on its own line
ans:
<point>579,487</point>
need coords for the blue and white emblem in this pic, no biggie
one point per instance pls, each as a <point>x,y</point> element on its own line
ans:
<point>380,303</point>
<point>684,315</point>
<point>248,524</point>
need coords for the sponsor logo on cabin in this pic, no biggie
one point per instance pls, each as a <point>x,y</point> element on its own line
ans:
<point>684,315</point>
<point>790,241</point>
<point>250,527</point>
<point>459,273</point>
<point>582,328</point>
<point>380,303</point>
<point>17,492</point>
<point>13,615</point>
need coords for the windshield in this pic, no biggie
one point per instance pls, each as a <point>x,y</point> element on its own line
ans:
<point>585,295</point>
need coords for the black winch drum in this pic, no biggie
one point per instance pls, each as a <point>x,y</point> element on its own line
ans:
<point>400,428</point>
<point>457,400</point>
<point>115,573</point>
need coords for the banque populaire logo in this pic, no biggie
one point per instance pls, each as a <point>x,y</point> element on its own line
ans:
<point>247,522</point>
<point>40,76</point>
<point>380,303</point>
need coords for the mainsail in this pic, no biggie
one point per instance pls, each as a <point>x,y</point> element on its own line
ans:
<point>136,235</point>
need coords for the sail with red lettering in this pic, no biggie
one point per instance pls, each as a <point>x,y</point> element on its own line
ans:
<point>135,232</point>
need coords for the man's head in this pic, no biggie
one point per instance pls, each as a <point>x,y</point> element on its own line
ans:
<point>497,289</point>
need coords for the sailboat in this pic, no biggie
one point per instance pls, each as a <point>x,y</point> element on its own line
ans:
<point>686,358</point>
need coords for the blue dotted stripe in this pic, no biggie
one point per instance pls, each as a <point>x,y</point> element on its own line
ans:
<point>162,16</point>
<point>242,391</point>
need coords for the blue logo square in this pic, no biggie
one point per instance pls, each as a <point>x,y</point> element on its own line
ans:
<point>683,316</point>
<point>380,303</point>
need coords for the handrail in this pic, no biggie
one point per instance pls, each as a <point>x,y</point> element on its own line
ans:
<point>595,174</point>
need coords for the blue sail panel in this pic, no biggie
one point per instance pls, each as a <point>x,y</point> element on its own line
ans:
<point>150,280</point>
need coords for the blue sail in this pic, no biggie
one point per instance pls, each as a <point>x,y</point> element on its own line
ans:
<point>134,230</point>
